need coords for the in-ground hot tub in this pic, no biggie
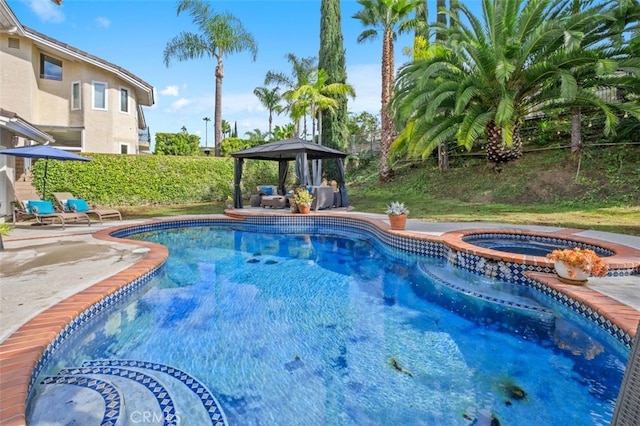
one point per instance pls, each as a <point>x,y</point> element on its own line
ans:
<point>529,244</point>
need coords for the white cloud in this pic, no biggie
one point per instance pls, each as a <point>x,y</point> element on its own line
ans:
<point>170,91</point>
<point>179,104</point>
<point>103,22</point>
<point>47,11</point>
<point>234,103</point>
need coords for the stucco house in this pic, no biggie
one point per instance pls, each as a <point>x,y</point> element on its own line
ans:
<point>53,93</point>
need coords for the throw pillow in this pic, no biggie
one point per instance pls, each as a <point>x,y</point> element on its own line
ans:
<point>78,205</point>
<point>41,207</point>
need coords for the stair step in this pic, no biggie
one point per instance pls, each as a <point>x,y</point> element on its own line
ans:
<point>126,391</point>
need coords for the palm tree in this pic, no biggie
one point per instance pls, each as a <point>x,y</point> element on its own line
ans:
<point>219,35</point>
<point>257,135</point>
<point>388,18</point>
<point>318,96</point>
<point>286,131</point>
<point>270,99</point>
<point>521,59</point>
<point>225,128</point>
<point>302,70</point>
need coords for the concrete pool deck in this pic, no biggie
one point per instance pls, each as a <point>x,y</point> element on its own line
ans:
<point>48,275</point>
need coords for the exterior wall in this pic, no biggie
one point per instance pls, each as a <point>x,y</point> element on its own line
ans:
<point>47,103</point>
<point>18,85</point>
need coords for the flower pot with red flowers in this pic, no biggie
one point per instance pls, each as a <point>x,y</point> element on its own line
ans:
<point>576,265</point>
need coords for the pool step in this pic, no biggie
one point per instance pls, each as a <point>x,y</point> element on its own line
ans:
<point>124,392</point>
<point>478,297</point>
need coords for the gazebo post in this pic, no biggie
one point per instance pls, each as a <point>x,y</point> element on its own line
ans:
<point>237,178</point>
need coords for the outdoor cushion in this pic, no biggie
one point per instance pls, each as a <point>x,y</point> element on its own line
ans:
<point>41,207</point>
<point>78,205</point>
<point>266,190</point>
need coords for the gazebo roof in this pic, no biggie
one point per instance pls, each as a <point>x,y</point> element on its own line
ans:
<point>288,149</point>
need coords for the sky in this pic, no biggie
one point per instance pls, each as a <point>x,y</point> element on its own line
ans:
<point>133,34</point>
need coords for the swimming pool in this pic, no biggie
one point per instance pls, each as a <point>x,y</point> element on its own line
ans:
<point>398,337</point>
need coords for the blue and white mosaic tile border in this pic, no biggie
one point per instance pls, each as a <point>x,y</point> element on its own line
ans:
<point>160,393</point>
<point>470,238</point>
<point>110,395</point>
<point>113,366</point>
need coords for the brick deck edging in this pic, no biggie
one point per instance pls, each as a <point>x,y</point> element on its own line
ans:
<point>21,351</point>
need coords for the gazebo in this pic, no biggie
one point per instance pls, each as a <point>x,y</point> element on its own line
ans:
<point>294,149</point>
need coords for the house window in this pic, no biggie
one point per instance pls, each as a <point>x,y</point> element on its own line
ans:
<point>50,68</point>
<point>14,43</point>
<point>124,148</point>
<point>99,95</point>
<point>124,100</point>
<point>76,99</point>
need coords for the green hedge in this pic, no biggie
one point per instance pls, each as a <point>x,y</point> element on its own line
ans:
<point>123,180</point>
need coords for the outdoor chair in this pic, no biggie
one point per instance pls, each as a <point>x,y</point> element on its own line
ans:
<point>322,197</point>
<point>40,210</point>
<point>269,197</point>
<point>67,203</point>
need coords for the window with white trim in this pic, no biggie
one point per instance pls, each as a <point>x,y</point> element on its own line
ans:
<point>124,100</point>
<point>50,68</point>
<point>76,98</point>
<point>100,95</point>
<point>124,148</point>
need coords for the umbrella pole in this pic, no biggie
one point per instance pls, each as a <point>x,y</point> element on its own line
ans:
<point>44,179</point>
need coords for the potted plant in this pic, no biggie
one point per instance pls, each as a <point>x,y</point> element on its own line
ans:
<point>397,213</point>
<point>574,266</point>
<point>303,200</point>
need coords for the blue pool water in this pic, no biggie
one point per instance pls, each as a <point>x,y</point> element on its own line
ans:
<point>339,330</point>
<point>530,245</point>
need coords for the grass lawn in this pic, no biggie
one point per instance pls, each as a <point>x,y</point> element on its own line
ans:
<point>542,188</point>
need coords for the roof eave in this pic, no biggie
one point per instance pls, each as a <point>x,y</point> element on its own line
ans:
<point>144,91</point>
<point>17,125</point>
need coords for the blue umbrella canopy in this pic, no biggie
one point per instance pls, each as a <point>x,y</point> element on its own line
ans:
<point>44,151</point>
<point>48,153</point>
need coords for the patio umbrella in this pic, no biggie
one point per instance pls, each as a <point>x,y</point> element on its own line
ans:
<point>48,153</point>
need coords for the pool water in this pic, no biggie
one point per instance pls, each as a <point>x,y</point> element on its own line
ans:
<point>530,246</point>
<point>317,329</point>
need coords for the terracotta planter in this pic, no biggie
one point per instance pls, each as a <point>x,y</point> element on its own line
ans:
<point>398,221</point>
<point>570,274</point>
<point>304,208</point>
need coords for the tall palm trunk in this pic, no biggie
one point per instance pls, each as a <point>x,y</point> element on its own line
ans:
<point>443,147</point>
<point>576,130</point>
<point>497,151</point>
<point>218,107</point>
<point>386,137</point>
